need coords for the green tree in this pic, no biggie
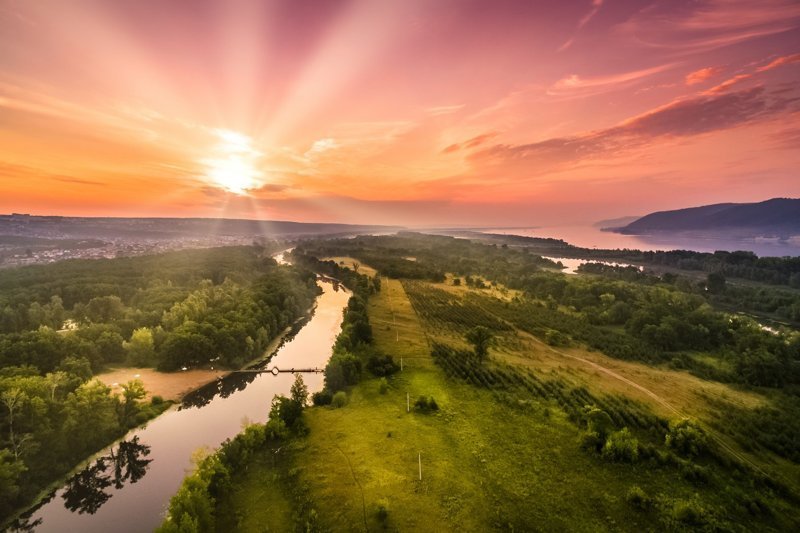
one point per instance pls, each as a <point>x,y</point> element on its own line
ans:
<point>481,339</point>
<point>132,392</point>
<point>90,418</point>
<point>299,391</point>
<point>140,350</point>
<point>10,471</point>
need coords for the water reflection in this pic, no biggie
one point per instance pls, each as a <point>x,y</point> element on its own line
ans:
<point>177,433</point>
<point>236,381</point>
<point>86,492</point>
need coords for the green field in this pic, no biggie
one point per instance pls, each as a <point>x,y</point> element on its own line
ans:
<point>492,458</point>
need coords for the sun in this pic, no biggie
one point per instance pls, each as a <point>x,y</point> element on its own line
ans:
<point>234,166</point>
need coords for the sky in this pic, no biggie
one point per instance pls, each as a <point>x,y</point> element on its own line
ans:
<point>412,112</point>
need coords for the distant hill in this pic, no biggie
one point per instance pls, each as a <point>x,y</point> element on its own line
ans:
<point>171,228</point>
<point>611,223</point>
<point>778,217</point>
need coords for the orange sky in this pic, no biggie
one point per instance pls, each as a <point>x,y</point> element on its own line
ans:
<point>410,112</point>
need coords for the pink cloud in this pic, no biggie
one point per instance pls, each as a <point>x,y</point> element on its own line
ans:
<point>699,76</point>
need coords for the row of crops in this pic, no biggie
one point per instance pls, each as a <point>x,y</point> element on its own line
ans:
<point>500,378</point>
<point>441,309</point>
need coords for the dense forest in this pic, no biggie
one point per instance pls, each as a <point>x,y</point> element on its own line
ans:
<point>63,323</point>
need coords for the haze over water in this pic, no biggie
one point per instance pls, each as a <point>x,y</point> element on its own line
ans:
<point>592,237</point>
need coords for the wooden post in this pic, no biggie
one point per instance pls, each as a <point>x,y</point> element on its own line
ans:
<point>420,466</point>
<point>408,403</point>
<point>401,364</point>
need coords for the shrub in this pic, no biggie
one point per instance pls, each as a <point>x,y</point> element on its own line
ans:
<point>276,429</point>
<point>598,421</point>
<point>339,399</point>
<point>382,365</point>
<point>590,441</point>
<point>383,388</point>
<point>689,513</point>
<point>382,511</point>
<point>425,404</point>
<point>686,437</point>
<point>638,498</point>
<point>621,446</point>
<point>322,397</point>
<point>556,338</point>
<point>694,473</point>
<point>156,400</point>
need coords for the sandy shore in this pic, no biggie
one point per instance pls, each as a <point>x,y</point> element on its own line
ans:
<point>168,385</point>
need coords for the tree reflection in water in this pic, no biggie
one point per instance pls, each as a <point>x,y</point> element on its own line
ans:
<point>86,491</point>
<point>237,381</point>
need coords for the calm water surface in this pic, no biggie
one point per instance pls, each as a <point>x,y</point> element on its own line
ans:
<point>129,489</point>
<point>591,237</point>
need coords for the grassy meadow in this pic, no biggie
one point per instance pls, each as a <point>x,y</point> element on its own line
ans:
<point>493,457</point>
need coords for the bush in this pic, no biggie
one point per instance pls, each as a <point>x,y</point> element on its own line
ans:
<point>322,397</point>
<point>425,404</point>
<point>621,446</point>
<point>286,410</point>
<point>156,400</point>
<point>382,365</point>
<point>276,429</point>
<point>383,388</point>
<point>339,399</point>
<point>638,498</point>
<point>556,338</point>
<point>694,473</point>
<point>382,511</point>
<point>689,513</point>
<point>591,441</point>
<point>686,437</point>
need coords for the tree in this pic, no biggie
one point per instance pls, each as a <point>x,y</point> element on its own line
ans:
<point>299,391</point>
<point>343,369</point>
<point>480,338</point>
<point>140,349</point>
<point>13,399</point>
<point>55,380</point>
<point>132,392</point>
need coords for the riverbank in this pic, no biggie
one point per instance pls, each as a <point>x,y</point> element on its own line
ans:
<point>175,386</point>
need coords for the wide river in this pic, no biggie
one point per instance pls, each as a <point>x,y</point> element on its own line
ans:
<point>591,237</point>
<point>104,498</point>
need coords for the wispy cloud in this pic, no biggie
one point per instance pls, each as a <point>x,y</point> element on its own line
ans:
<point>596,5</point>
<point>701,75</point>
<point>474,142</point>
<point>682,118</point>
<point>444,109</point>
<point>576,84</point>
<point>710,24</point>
<point>739,78</point>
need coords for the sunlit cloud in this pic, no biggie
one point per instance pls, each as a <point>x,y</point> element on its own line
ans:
<point>701,75</point>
